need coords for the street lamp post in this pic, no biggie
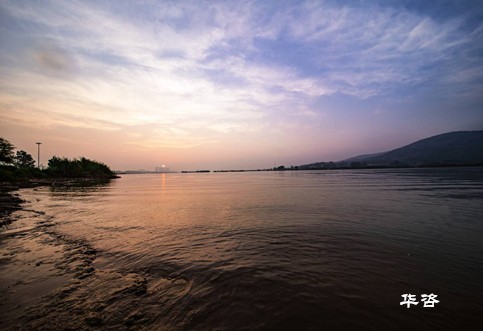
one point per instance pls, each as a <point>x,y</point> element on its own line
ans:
<point>38,155</point>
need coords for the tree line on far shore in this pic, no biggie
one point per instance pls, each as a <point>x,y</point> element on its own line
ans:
<point>20,165</point>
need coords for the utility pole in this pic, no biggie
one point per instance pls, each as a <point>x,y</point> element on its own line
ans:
<point>38,155</point>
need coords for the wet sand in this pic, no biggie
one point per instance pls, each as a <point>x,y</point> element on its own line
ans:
<point>50,281</point>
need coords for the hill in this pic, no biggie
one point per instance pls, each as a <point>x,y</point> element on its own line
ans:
<point>360,158</point>
<point>452,149</point>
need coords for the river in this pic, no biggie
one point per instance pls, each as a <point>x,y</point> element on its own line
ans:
<point>293,250</point>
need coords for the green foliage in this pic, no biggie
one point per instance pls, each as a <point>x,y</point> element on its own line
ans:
<point>29,173</point>
<point>16,167</point>
<point>77,168</point>
<point>7,174</point>
<point>21,166</point>
<point>6,152</point>
<point>24,160</point>
<point>19,174</point>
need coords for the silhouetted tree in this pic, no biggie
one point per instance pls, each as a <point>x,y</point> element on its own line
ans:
<point>24,160</point>
<point>6,152</point>
<point>20,166</point>
<point>76,168</point>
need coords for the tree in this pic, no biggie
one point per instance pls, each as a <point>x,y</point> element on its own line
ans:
<point>6,152</point>
<point>24,160</point>
<point>77,168</point>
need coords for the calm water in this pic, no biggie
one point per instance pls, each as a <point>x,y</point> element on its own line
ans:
<point>275,250</point>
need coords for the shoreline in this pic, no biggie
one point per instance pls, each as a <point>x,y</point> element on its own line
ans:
<point>51,280</point>
<point>9,203</point>
<point>37,262</point>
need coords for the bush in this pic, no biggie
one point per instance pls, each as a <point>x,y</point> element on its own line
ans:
<point>7,174</point>
<point>21,166</point>
<point>78,168</point>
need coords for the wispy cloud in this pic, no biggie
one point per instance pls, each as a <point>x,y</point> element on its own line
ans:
<point>195,72</point>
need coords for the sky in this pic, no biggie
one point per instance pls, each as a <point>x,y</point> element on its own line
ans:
<point>236,84</point>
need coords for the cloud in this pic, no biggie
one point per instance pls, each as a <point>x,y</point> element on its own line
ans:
<point>53,59</point>
<point>374,48</point>
<point>197,72</point>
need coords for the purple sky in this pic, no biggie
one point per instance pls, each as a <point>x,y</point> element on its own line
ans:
<point>236,84</point>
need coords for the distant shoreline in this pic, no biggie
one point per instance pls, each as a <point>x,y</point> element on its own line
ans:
<point>357,168</point>
<point>301,168</point>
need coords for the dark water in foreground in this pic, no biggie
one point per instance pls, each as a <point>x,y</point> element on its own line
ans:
<point>269,250</point>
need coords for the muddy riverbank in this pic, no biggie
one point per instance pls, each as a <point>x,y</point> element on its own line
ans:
<point>49,280</point>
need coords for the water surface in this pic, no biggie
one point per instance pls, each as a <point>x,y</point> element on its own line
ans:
<point>272,250</point>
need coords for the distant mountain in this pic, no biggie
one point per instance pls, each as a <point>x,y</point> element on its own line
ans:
<point>454,148</point>
<point>462,147</point>
<point>360,158</point>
